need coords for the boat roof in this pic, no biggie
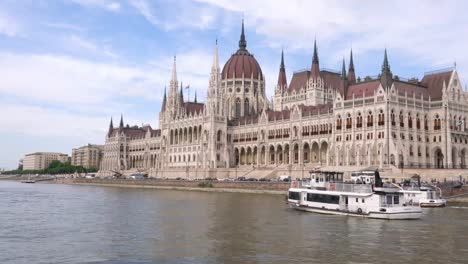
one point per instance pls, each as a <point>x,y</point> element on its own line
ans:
<point>357,194</point>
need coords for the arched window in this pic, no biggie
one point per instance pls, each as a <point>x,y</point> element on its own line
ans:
<point>381,118</point>
<point>418,122</point>
<point>238,108</point>
<point>370,119</point>
<point>359,121</point>
<point>402,123</point>
<point>246,106</point>
<point>348,121</point>
<point>410,121</point>
<point>338,123</point>
<point>437,123</point>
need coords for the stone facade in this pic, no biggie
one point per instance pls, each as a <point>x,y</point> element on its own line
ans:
<point>322,118</point>
<point>88,156</point>
<point>42,160</point>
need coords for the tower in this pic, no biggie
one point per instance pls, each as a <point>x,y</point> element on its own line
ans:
<point>281,85</point>
<point>315,86</point>
<point>386,76</point>
<point>351,72</point>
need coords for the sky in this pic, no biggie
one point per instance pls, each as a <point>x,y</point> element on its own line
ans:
<point>68,66</point>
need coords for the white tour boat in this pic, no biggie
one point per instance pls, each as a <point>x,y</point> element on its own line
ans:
<point>423,196</point>
<point>327,193</point>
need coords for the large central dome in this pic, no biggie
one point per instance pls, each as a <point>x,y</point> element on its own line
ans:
<point>242,63</point>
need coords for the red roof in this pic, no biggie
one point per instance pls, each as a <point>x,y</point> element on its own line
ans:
<point>242,62</point>
<point>434,83</point>
<point>193,108</point>
<point>361,90</point>
<point>332,79</point>
<point>299,80</point>
<point>411,89</point>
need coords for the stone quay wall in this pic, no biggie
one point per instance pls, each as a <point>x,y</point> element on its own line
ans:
<point>246,185</point>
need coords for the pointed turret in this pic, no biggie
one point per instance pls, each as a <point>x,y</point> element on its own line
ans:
<point>111,128</point>
<point>215,57</point>
<point>242,41</point>
<point>163,106</point>
<point>181,94</point>
<point>386,74</point>
<point>174,71</point>
<point>282,81</point>
<point>343,70</point>
<point>173,96</point>
<point>315,70</point>
<point>195,100</point>
<point>351,72</point>
<point>121,125</point>
<point>385,64</point>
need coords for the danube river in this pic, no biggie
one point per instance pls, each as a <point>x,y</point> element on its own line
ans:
<point>51,223</point>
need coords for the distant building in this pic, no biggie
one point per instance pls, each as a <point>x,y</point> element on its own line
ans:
<point>42,160</point>
<point>88,156</point>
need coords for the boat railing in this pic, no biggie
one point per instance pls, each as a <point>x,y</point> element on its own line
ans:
<point>333,186</point>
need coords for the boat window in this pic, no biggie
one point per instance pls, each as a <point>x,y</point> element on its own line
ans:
<point>323,198</point>
<point>362,200</point>
<point>357,200</point>
<point>389,199</point>
<point>396,199</point>
<point>294,196</point>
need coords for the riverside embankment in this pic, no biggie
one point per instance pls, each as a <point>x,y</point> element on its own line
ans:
<point>206,186</point>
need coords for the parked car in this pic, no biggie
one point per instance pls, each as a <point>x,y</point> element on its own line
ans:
<point>251,179</point>
<point>264,179</point>
<point>284,178</point>
<point>136,177</point>
<point>241,178</point>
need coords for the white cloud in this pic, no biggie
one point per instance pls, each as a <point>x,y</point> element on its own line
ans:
<point>106,4</point>
<point>175,15</point>
<point>430,34</point>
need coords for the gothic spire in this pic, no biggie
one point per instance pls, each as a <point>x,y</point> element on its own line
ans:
<point>343,70</point>
<point>385,64</point>
<point>181,93</point>
<point>351,73</point>
<point>242,41</point>
<point>215,57</point>
<point>121,125</point>
<point>174,71</point>
<point>111,127</point>
<point>315,70</point>
<point>386,76</point>
<point>163,107</point>
<point>282,81</point>
<point>195,96</point>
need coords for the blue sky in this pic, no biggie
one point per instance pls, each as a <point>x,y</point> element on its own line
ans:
<point>67,66</point>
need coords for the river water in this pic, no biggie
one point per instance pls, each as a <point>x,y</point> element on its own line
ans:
<point>51,223</point>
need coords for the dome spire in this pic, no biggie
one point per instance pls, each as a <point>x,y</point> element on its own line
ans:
<point>242,41</point>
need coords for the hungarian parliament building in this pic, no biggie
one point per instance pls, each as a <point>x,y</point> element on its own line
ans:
<point>319,118</point>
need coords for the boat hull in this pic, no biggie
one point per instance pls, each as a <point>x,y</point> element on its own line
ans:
<point>432,202</point>
<point>410,213</point>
